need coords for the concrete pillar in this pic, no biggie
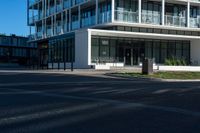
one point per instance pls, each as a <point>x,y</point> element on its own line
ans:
<point>62,23</point>
<point>163,12</point>
<point>45,22</point>
<point>96,11</point>
<point>113,11</point>
<point>188,13</point>
<point>66,19</point>
<point>79,16</point>
<point>70,23</point>
<point>140,11</point>
<point>52,25</point>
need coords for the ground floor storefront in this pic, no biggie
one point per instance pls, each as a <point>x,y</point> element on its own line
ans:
<point>89,48</point>
<point>132,51</point>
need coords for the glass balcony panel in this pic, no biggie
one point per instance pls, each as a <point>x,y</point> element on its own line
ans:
<point>88,21</point>
<point>52,10</point>
<point>105,17</point>
<point>126,16</point>
<point>151,18</point>
<point>175,21</point>
<point>59,7</point>
<point>49,31</point>
<point>66,27</point>
<point>195,22</point>
<point>67,4</point>
<point>75,25</point>
<point>39,35</point>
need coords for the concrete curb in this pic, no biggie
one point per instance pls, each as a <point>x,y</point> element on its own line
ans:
<point>154,79</point>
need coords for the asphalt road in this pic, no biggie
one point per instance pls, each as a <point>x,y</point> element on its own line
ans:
<point>95,103</point>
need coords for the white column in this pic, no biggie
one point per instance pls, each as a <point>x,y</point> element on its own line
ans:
<point>45,21</point>
<point>52,25</point>
<point>30,32</point>
<point>62,20</point>
<point>55,3</point>
<point>188,14</point>
<point>96,11</point>
<point>48,7</point>
<point>140,11</point>
<point>43,18</point>
<point>70,23</point>
<point>79,16</point>
<point>163,12</point>
<point>62,23</point>
<point>35,31</point>
<point>66,19</point>
<point>113,11</point>
<point>55,25</point>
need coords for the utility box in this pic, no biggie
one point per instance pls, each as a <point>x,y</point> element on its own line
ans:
<point>147,66</point>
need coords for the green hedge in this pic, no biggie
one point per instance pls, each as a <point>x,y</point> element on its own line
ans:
<point>175,62</point>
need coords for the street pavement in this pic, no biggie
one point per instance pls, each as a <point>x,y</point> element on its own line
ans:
<point>94,102</point>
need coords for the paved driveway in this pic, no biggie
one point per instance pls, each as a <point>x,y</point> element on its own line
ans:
<point>96,103</point>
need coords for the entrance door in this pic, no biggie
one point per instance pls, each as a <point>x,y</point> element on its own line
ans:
<point>43,58</point>
<point>135,56</point>
<point>128,56</point>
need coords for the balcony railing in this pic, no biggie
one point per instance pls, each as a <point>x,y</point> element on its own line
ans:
<point>88,21</point>
<point>67,4</point>
<point>39,35</point>
<point>58,8</point>
<point>66,27</point>
<point>75,25</point>
<point>32,2</point>
<point>195,0</point>
<point>151,18</point>
<point>49,31</point>
<point>104,17</point>
<point>175,21</point>
<point>126,16</point>
<point>58,29</point>
<point>31,37</point>
<point>195,22</point>
<point>33,19</point>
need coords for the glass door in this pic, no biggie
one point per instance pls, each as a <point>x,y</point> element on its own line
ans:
<point>128,56</point>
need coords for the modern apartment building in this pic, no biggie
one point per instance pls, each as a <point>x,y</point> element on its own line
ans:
<point>15,50</point>
<point>114,32</point>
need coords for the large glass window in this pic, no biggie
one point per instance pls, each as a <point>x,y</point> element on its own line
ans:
<point>112,49</point>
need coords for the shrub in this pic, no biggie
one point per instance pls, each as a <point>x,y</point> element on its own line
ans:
<point>175,62</point>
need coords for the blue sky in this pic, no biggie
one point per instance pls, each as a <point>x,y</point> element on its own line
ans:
<point>13,19</point>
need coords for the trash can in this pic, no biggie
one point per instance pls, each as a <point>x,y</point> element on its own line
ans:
<point>147,66</point>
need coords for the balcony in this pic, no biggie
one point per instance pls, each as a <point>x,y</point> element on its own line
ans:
<point>104,17</point>
<point>67,4</point>
<point>39,35</point>
<point>33,19</point>
<point>49,31</point>
<point>31,37</point>
<point>66,27</point>
<point>175,21</point>
<point>58,29</point>
<point>32,2</point>
<point>126,16</point>
<point>151,18</point>
<point>195,22</point>
<point>195,0</point>
<point>88,21</point>
<point>75,25</point>
<point>59,8</point>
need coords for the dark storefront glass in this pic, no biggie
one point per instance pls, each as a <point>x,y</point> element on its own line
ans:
<point>61,50</point>
<point>133,51</point>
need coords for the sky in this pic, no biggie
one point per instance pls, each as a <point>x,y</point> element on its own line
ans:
<point>13,17</point>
